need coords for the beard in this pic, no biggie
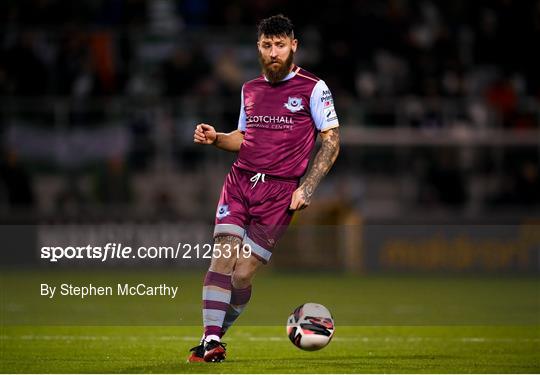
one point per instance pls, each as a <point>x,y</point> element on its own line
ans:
<point>276,73</point>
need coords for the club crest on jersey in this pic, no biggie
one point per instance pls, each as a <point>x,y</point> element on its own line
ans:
<point>222,211</point>
<point>294,104</point>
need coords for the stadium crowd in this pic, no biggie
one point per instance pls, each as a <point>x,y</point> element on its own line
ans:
<point>422,54</point>
<point>387,48</point>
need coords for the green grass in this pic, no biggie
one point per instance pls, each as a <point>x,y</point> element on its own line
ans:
<point>266,349</point>
<point>385,324</point>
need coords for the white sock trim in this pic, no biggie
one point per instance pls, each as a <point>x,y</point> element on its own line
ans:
<point>212,337</point>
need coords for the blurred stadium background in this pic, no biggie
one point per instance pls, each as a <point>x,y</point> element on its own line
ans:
<point>423,241</point>
<point>439,104</point>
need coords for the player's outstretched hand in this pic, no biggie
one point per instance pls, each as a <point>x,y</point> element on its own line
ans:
<point>299,200</point>
<point>204,134</point>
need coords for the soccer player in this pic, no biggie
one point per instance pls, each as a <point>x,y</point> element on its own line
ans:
<point>281,113</point>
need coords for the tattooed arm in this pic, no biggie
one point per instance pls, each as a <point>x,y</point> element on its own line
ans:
<point>325,158</point>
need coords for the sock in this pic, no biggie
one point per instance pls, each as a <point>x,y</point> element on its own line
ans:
<point>239,300</point>
<point>216,298</point>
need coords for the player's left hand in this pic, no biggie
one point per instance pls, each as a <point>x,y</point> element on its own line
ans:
<point>299,200</point>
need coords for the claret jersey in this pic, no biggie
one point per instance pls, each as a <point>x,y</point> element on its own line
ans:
<point>281,121</point>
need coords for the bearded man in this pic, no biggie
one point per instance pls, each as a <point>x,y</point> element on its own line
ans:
<point>282,112</point>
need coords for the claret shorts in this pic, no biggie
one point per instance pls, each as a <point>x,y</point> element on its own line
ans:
<point>255,208</point>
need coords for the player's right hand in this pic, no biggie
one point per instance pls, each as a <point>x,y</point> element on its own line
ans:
<point>204,134</point>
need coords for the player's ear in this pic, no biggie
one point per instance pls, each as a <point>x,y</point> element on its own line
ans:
<point>294,45</point>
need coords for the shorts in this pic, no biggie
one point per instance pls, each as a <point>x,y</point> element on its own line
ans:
<point>255,208</point>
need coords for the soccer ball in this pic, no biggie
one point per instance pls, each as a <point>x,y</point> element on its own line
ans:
<point>310,326</point>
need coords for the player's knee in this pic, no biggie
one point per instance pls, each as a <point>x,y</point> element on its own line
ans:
<point>222,265</point>
<point>222,261</point>
<point>242,276</point>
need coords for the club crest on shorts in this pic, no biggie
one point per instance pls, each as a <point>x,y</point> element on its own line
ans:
<point>294,104</point>
<point>222,211</point>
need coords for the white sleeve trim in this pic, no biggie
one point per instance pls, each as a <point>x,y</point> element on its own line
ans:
<point>336,125</point>
<point>242,118</point>
<point>322,107</point>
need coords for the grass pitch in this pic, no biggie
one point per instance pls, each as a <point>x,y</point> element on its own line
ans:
<point>384,324</point>
<point>266,349</point>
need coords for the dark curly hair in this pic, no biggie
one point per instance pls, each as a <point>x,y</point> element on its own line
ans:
<point>276,26</point>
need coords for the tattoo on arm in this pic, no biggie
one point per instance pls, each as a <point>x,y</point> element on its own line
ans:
<point>325,158</point>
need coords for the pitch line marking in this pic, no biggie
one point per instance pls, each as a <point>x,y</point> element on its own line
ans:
<point>265,338</point>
